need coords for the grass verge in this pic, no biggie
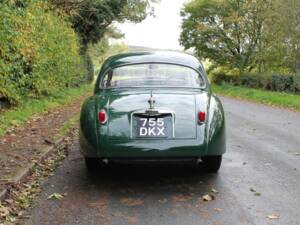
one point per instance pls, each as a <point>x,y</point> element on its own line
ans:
<point>69,124</point>
<point>285,100</point>
<point>16,116</point>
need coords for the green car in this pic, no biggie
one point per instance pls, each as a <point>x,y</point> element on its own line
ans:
<point>152,107</point>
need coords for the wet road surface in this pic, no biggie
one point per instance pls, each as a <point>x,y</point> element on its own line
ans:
<point>263,155</point>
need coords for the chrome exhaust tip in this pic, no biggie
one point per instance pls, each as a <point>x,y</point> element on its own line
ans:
<point>198,161</point>
<point>104,162</point>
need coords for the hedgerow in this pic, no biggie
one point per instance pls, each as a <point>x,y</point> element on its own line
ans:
<point>268,81</point>
<point>39,51</point>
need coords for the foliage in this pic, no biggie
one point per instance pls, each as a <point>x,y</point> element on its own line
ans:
<point>296,79</point>
<point>228,32</point>
<point>250,43</point>
<point>281,37</point>
<point>267,81</point>
<point>88,64</point>
<point>91,19</point>
<point>38,51</point>
<point>267,97</point>
<point>102,50</point>
<point>11,61</point>
<point>44,43</point>
<point>218,75</point>
<point>282,83</point>
<point>253,36</point>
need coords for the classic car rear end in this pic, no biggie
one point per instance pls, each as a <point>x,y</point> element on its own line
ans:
<point>152,107</point>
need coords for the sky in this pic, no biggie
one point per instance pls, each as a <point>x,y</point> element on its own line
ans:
<point>161,31</point>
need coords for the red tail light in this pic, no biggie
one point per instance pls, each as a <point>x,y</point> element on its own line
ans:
<point>201,117</point>
<point>102,116</point>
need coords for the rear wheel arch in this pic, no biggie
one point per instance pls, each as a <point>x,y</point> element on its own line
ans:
<point>216,138</point>
<point>88,137</point>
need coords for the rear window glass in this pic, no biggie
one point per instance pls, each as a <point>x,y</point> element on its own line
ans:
<point>156,75</point>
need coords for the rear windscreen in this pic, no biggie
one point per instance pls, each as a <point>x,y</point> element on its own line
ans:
<point>156,75</point>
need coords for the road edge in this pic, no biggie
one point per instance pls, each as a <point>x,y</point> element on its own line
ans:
<point>27,170</point>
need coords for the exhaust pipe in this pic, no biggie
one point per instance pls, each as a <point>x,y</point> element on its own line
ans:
<point>104,162</point>
<point>199,161</point>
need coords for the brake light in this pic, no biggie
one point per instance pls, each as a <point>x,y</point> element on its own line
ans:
<point>201,117</point>
<point>102,116</point>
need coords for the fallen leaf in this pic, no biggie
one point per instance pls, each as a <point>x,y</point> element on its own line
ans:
<point>208,197</point>
<point>9,201</point>
<point>218,209</point>
<point>182,198</point>
<point>12,219</point>
<point>214,190</point>
<point>4,211</point>
<point>48,141</point>
<point>217,223</point>
<point>273,216</point>
<point>255,192</point>
<point>162,200</point>
<point>132,201</point>
<point>55,196</point>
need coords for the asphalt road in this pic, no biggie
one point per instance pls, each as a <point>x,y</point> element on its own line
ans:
<point>263,143</point>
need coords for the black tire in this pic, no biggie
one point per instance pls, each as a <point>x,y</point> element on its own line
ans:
<point>92,164</point>
<point>212,164</point>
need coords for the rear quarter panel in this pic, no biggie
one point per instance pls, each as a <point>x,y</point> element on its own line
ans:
<point>88,136</point>
<point>216,135</point>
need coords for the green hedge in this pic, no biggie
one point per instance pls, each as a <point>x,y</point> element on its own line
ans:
<point>267,81</point>
<point>39,51</point>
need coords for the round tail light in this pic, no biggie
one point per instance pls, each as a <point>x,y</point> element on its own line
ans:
<point>201,117</point>
<point>102,116</point>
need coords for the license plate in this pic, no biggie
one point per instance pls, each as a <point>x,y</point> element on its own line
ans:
<point>152,127</point>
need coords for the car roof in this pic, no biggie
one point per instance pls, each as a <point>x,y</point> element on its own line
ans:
<point>171,57</point>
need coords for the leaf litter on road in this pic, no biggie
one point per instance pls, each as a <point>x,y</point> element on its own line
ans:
<point>273,216</point>
<point>4,211</point>
<point>218,209</point>
<point>208,197</point>
<point>213,190</point>
<point>132,201</point>
<point>55,196</point>
<point>252,189</point>
<point>256,193</point>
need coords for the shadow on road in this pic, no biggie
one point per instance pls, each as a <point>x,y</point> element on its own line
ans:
<point>180,178</point>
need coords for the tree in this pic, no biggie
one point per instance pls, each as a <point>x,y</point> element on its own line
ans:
<point>228,32</point>
<point>91,19</point>
<point>282,36</point>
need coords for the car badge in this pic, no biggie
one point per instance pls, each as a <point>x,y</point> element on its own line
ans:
<point>151,101</point>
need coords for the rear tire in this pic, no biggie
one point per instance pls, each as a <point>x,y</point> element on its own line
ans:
<point>92,164</point>
<point>212,164</point>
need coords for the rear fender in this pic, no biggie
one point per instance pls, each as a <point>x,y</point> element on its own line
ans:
<point>88,136</point>
<point>216,140</point>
